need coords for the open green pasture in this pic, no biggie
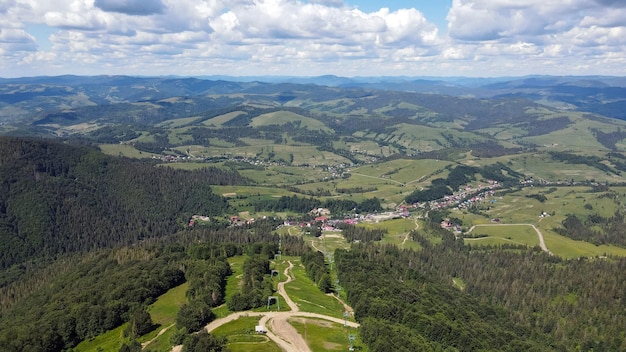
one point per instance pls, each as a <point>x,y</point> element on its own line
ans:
<point>125,150</point>
<point>175,123</point>
<point>542,166</point>
<point>241,336</point>
<point>569,248</point>
<point>404,171</point>
<point>562,138</point>
<point>282,175</point>
<point>218,121</point>
<point>502,234</point>
<point>517,208</point>
<point>250,191</point>
<point>384,190</point>
<point>180,135</point>
<point>322,335</point>
<point>397,232</point>
<point>242,198</point>
<point>190,165</point>
<point>284,117</point>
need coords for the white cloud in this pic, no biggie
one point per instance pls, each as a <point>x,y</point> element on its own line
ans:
<point>484,37</point>
<point>131,7</point>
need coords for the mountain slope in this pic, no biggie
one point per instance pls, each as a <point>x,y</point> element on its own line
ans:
<point>57,198</point>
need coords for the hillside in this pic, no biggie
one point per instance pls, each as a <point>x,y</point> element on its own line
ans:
<point>180,115</point>
<point>489,218</point>
<point>61,198</point>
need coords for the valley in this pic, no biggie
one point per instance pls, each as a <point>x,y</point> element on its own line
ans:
<point>132,219</point>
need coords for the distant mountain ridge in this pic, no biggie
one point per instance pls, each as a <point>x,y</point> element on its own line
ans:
<point>22,97</point>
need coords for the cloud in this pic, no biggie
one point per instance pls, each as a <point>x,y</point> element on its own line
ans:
<point>329,3</point>
<point>82,21</point>
<point>612,3</point>
<point>484,37</point>
<point>16,40</point>
<point>131,7</point>
<point>5,5</point>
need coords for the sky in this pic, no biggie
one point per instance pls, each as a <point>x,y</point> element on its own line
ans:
<point>472,38</point>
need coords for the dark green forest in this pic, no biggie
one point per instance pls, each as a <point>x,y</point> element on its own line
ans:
<point>109,287</point>
<point>60,198</point>
<point>515,299</point>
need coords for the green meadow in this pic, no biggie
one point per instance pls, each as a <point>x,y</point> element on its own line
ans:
<point>322,335</point>
<point>284,117</point>
<point>308,297</point>
<point>125,150</point>
<point>241,336</point>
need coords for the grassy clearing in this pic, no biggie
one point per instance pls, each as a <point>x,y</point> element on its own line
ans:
<point>459,283</point>
<point>518,208</point>
<point>568,248</point>
<point>322,335</point>
<point>241,336</point>
<point>234,280</point>
<point>328,242</point>
<point>402,170</point>
<point>175,123</point>
<point>516,234</point>
<point>218,121</point>
<point>110,341</point>
<point>187,165</point>
<point>163,311</point>
<point>397,232</point>
<point>283,117</point>
<point>535,164</point>
<point>308,297</point>
<point>124,150</point>
<point>284,175</point>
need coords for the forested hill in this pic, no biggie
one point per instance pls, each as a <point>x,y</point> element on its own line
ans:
<point>57,197</point>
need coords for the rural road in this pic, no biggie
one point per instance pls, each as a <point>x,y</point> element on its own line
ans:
<point>542,243</point>
<point>280,331</point>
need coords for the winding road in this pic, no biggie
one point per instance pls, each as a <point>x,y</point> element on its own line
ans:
<point>542,243</point>
<point>280,331</point>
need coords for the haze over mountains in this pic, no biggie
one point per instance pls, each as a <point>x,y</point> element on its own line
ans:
<point>605,95</point>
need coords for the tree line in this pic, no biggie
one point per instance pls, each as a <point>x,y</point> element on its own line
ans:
<point>354,233</point>
<point>59,198</point>
<point>552,304</point>
<point>304,205</point>
<point>316,269</point>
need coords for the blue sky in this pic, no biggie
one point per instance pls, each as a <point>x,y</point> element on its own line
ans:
<point>484,38</point>
<point>435,10</point>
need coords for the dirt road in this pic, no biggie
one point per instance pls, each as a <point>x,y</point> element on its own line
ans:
<point>542,243</point>
<point>280,331</point>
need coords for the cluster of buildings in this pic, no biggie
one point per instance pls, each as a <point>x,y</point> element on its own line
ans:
<point>466,196</point>
<point>326,223</point>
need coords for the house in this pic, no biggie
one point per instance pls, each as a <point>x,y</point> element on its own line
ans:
<point>321,219</point>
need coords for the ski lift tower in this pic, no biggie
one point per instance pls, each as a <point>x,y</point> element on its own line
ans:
<point>351,338</point>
